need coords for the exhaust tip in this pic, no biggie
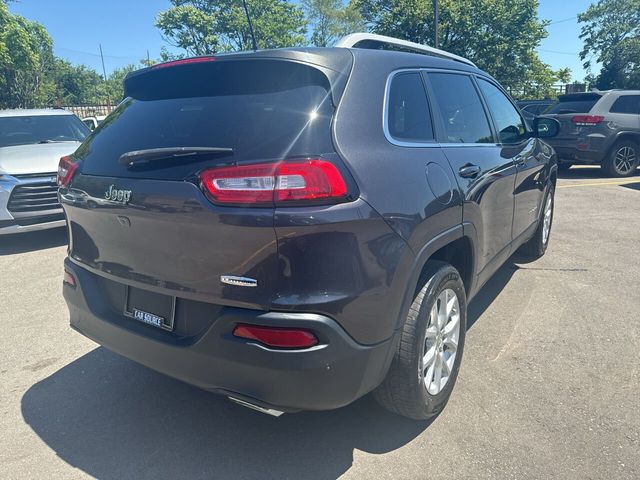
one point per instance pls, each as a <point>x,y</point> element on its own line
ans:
<point>268,411</point>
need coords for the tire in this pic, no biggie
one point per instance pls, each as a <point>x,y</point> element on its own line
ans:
<point>404,390</point>
<point>623,159</point>
<point>537,245</point>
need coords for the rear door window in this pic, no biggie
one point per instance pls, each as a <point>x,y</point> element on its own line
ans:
<point>463,115</point>
<point>508,121</point>
<point>574,104</point>
<point>626,104</point>
<point>263,110</point>
<point>408,111</point>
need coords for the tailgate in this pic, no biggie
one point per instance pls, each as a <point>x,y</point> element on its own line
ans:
<point>149,224</point>
<point>170,238</point>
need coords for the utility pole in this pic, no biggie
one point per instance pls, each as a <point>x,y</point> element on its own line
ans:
<point>104,72</point>
<point>436,21</point>
<point>104,75</point>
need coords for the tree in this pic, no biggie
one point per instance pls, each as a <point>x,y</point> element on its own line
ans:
<point>69,84</point>
<point>114,86</point>
<point>331,19</point>
<point>208,26</point>
<point>500,36</point>
<point>25,59</point>
<point>611,34</point>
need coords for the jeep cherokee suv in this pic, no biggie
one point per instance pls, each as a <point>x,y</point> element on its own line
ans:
<point>296,228</point>
<point>600,127</point>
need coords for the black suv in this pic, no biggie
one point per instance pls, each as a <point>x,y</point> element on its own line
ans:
<point>600,127</point>
<point>296,228</point>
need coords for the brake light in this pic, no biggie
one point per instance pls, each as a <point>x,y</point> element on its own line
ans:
<point>183,61</point>
<point>275,183</point>
<point>587,120</point>
<point>66,170</point>
<point>68,278</point>
<point>276,336</point>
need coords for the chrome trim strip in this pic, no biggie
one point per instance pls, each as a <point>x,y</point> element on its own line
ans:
<point>268,411</point>
<point>32,228</point>
<point>353,39</point>
<point>239,281</point>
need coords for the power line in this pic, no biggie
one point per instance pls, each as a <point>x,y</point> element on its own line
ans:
<point>564,20</point>
<point>97,54</point>
<point>556,51</point>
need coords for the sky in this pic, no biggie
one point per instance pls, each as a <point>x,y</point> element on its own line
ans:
<point>126,31</point>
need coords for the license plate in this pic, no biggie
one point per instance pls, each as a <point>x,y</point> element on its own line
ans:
<point>151,308</point>
<point>149,318</point>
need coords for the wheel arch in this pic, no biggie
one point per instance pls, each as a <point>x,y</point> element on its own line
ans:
<point>624,136</point>
<point>456,247</point>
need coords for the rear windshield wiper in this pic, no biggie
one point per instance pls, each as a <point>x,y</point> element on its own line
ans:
<point>184,154</point>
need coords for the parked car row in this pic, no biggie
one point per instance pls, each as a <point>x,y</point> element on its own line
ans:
<point>298,242</point>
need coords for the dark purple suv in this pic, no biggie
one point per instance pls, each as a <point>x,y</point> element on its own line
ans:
<point>296,228</point>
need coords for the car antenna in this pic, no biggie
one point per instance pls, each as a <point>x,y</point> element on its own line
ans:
<point>253,36</point>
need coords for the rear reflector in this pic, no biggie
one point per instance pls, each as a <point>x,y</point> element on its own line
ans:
<point>66,170</point>
<point>587,120</point>
<point>69,279</point>
<point>275,183</point>
<point>276,337</point>
<point>173,63</point>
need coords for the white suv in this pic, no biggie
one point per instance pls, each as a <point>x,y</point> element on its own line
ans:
<point>31,144</point>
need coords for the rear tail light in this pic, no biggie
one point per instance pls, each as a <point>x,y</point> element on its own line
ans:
<point>275,183</point>
<point>587,120</point>
<point>68,278</point>
<point>66,170</point>
<point>276,337</point>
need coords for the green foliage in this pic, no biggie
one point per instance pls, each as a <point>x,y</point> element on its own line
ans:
<point>208,26</point>
<point>611,34</point>
<point>500,36</point>
<point>73,84</point>
<point>330,20</point>
<point>25,59</point>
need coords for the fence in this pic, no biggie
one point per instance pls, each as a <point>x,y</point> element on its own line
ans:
<point>89,110</point>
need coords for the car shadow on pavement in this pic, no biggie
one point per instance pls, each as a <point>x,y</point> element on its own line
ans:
<point>588,172</point>
<point>113,418</point>
<point>490,291</point>
<point>32,241</point>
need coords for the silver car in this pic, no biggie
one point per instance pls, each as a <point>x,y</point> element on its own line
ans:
<point>31,144</point>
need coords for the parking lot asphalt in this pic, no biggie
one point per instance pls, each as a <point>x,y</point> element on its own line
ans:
<point>549,385</point>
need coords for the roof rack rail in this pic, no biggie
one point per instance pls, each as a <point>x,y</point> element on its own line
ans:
<point>367,40</point>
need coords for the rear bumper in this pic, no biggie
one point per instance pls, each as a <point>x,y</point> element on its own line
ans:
<point>329,375</point>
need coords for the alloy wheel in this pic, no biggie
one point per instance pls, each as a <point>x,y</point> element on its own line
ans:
<point>625,160</point>
<point>546,220</point>
<point>441,341</point>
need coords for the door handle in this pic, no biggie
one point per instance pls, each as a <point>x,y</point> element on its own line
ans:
<point>469,171</point>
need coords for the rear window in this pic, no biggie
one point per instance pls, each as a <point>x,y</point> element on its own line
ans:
<point>573,104</point>
<point>27,130</point>
<point>263,110</point>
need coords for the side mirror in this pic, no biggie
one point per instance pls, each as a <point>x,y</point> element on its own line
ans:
<point>545,127</point>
